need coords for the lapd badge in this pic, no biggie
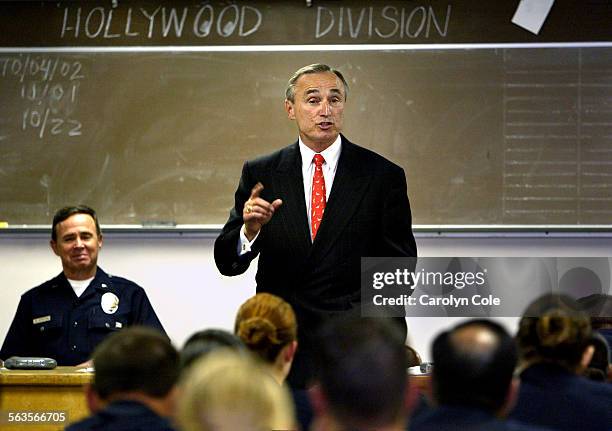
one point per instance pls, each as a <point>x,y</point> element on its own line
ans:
<point>109,303</point>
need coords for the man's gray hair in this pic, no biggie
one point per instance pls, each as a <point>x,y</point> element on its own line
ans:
<point>312,68</point>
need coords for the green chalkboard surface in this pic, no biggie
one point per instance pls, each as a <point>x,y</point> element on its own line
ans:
<point>147,110</point>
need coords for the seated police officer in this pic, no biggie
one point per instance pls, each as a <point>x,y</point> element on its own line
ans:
<point>66,317</point>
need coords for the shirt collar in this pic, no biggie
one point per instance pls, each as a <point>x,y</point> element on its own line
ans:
<point>331,154</point>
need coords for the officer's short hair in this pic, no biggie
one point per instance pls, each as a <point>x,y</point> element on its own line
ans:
<point>63,213</point>
<point>306,70</point>
<point>484,364</point>
<point>135,359</point>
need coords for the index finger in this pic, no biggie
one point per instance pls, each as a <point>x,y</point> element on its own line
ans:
<point>256,191</point>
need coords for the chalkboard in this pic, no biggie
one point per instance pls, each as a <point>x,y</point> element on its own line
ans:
<point>146,110</point>
<point>486,136</point>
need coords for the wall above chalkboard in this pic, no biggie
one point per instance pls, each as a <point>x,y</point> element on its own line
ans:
<point>487,136</point>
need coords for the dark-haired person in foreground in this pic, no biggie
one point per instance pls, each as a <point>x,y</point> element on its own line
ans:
<point>361,380</point>
<point>472,380</point>
<point>206,341</point>
<point>66,317</point>
<point>312,210</point>
<point>134,386</point>
<point>554,340</point>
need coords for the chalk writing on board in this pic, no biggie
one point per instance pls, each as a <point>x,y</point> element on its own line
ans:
<point>386,22</point>
<point>110,23</point>
<point>49,88</point>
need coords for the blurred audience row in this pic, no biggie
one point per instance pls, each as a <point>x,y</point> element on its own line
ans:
<point>555,374</point>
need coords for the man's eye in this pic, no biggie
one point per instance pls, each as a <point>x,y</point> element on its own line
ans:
<point>312,101</point>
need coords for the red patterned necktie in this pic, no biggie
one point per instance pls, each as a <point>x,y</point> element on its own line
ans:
<point>317,202</point>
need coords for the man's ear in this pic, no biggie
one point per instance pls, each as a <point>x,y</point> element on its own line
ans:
<point>94,403</point>
<point>587,355</point>
<point>290,350</point>
<point>290,110</point>
<point>53,246</point>
<point>511,397</point>
<point>317,400</point>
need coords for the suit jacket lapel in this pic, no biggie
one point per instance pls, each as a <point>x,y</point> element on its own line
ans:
<point>348,189</point>
<point>288,181</point>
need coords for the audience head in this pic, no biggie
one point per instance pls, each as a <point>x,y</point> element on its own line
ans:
<point>135,359</point>
<point>554,330</point>
<point>478,355</point>
<point>206,341</point>
<point>361,374</point>
<point>228,391</point>
<point>266,324</point>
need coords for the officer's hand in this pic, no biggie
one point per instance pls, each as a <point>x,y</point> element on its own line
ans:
<point>86,364</point>
<point>257,212</point>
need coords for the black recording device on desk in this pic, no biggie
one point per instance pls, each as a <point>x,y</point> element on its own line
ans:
<point>29,363</point>
<point>426,367</point>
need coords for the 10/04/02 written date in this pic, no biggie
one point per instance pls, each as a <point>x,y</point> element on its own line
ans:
<point>33,417</point>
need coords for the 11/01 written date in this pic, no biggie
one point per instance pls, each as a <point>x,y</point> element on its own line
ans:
<point>33,417</point>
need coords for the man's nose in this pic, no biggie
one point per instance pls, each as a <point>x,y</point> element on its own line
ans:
<point>79,242</point>
<point>325,108</point>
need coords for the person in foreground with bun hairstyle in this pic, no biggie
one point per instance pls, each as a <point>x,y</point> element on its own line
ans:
<point>227,391</point>
<point>267,325</point>
<point>553,340</point>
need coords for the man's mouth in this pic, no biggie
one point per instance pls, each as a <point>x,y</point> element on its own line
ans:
<point>326,125</point>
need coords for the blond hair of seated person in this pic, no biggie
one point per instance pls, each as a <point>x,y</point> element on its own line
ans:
<point>228,391</point>
<point>268,327</point>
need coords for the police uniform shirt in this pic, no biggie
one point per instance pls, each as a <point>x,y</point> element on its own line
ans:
<point>51,321</point>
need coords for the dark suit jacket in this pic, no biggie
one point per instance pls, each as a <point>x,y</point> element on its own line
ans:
<point>123,415</point>
<point>367,214</point>
<point>455,418</point>
<point>552,396</point>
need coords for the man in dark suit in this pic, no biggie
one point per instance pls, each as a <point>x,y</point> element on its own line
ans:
<point>311,260</point>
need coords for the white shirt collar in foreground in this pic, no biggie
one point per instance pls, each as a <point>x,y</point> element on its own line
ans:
<point>331,154</point>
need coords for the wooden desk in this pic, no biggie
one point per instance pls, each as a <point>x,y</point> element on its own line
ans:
<point>60,389</point>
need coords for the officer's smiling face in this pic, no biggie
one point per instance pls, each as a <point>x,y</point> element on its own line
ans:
<point>77,246</point>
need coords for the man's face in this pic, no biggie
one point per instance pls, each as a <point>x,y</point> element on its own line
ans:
<point>318,109</point>
<point>77,246</point>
